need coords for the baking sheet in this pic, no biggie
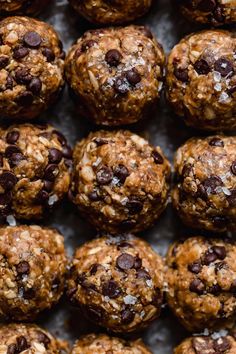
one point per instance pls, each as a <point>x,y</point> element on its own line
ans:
<point>164,129</point>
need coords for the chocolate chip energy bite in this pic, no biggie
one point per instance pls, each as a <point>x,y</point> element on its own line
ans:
<point>205,195</point>
<point>25,7</point>
<point>201,80</point>
<point>101,343</point>
<point>34,170</point>
<point>214,12</point>
<point>111,12</point>
<point>202,282</point>
<point>17,338</point>
<point>32,271</point>
<point>214,344</point>
<point>120,182</point>
<point>117,282</point>
<point>31,67</point>
<point>116,74</point>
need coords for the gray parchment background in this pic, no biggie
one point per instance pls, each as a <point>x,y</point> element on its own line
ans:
<point>163,129</point>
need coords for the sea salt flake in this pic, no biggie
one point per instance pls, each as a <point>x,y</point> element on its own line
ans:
<point>52,199</point>
<point>224,97</point>
<point>11,220</point>
<point>130,300</point>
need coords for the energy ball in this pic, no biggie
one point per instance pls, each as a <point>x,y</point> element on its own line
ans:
<point>201,80</point>
<point>32,268</point>
<point>202,282</point>
<point>205,195</point>
<point>117,282</point>
<point>116,74</point>
<point>120,182</point>
<point>35,163</point>
<point>26,7</point>
<point>31,67</point>
<point>214,344</point>
<point>111,12</point>
<point>213,12</point>
<point>101,343</point>
<point>17,338</point>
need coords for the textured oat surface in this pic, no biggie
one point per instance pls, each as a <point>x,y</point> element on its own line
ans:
<point>205,196</point>
<point>201,80</point>
<point>32,271</point>
<point>208,345</point>
<point>114,12</point>
<point>201,282</point>
<point>117,282</point>
<point>216,12</point>
<point>100,344</point>
<point>120,182</point>
<point>116,73</point>
<point>32,65</point>
<point>35,164</point>
<point>26,7</point>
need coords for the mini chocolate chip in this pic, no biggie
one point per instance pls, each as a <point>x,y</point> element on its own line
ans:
<point>202,67</point>
<point>48,185</point>
<point>60,137</point>
<point>10,150</point>
<point>4,60</point>
<point>126,225</point>
<point>211,184</point>
<point>125,261</point>
<point>35,86</point>
<point>113,57</point>
<point>219,266</point>
<point>203,345</point>
<point>67,152</point>
<point>12,349</point>
<point>134,205</point>
<point>100,141</point>
<point>22,76</point>
<point>88,44</point>
<point>223,66</point>
<point>197,286</point>
<point>232,90</point>
<point>216,142</point>
<point>12,136</point>
<point>143,274</point>
<point>195,267</point>
<point>133,76</point>
<point>42,196</point>
<point>124,244</point>
<point>28,294</point>
<point>23,268</point>
<point>104,175</point>
<point>9,83</point>
<point>32,39</point>
<point>127,316</point>
<point>51,172</point>
<point>219,221</point>
<point>121,85</point>
<point>54,155</point>
<point>232,198</point>
<point>146,31</point>
<point>22,344</point>
<point>137,262</point>
<point>8,180</point>
<point>111,289</point>
<point>95,313</point>
<point>209,257</point>
<point>5,198</point>
<point>25,99</point>
<point>94,268</point>
<point>220,251</point>
<point>48,53</point>
<point>20,52</point>
<point>158,159</point>
<point>206,5</point>
<point>221,345</point>
<point>181,74</point>
<point>215,289</point>
<point>218,14</point>
<point>43,338</point>
<point>233,168</point>
<point>121,172</point>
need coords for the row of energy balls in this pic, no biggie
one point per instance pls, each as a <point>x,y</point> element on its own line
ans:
<point>119,180</point>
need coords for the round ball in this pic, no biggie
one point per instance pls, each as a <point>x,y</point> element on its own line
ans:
<point>117,282</point>
<point>214,344</point>
<point>17,338</point>
<point>34,170</point>
<point>201,80</point>
<point>205,196</point>
<point>120,182</point>
<point>213,12</point>
<point>101,343</point>
<point>202,282</point>
<point>26,7</point>
<point>31,67</point>
<point>116,74</point>
<point>111,12</point>
<point>32,267</point>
